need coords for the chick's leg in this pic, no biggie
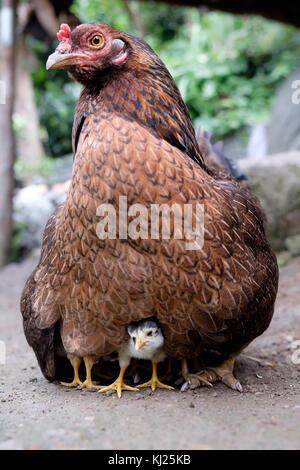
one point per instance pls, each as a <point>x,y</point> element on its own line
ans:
<point>154,382</point>
<point>75,361</point>
<point>119,384</point>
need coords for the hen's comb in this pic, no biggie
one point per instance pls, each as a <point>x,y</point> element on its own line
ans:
<point>64,32</point>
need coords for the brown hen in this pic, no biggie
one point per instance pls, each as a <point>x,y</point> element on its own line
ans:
<point>133,137</point>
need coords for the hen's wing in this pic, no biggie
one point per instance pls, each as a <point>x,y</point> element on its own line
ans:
<point>219,165</point>
<point>46,342</point>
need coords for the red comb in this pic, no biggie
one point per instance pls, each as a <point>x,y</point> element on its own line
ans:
<point>64,32</point>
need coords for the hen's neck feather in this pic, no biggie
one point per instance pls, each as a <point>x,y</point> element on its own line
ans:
<point>147,95</point>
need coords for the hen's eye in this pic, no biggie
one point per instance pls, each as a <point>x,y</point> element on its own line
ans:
<point>97,41</point>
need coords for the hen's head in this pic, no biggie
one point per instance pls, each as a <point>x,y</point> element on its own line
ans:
<point>90,50</point>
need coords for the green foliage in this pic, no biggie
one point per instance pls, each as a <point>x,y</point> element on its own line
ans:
<point>226,66</point>
<point>18,234</point>
<point>112,12</point>
<point>44,167</point>
<point>154,20</point>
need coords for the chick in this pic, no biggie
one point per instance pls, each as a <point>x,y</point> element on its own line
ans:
<point>146,342</point>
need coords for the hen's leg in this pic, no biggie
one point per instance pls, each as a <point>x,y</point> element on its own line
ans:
<point>119,384</point>
<point>154,381</point>
<point>75,361</point>
<point>193,380</point>
<point>168,376</point>
<point>88,383</point>
<point>223,373</point>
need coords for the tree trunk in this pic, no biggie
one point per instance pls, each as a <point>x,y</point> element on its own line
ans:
<point>7,139</point>
<point>29,148</point>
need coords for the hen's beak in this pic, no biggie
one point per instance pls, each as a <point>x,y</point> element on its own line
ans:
<point>139,343</point>
<point>57,60</point>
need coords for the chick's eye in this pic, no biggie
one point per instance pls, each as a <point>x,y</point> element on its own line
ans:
<point>150,333</point>
<point>97,41</point>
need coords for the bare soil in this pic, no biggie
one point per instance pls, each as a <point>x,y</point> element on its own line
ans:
<point>35,414</point>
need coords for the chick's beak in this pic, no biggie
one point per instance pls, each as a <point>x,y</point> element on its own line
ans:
<point>139,343</point>
<point>59,60</point>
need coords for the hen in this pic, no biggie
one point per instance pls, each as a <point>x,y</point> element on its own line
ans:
<point>133,137</point>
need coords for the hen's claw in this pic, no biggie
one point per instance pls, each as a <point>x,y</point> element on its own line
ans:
<point>231,382</point>
<point>196,380</point>
<point>89,384</point>
<point>75,383</point>
<point>223,373</point>
<point>75,361</point>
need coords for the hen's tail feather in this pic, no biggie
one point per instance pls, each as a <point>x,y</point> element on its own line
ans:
<point>215,158</point>
<point>46,343</point>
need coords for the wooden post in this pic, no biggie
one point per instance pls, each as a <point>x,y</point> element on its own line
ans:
<point>7,138</point>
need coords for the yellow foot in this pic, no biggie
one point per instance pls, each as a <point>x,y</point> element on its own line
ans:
<point>118,385</point>
<point>89,384</point>
<point>75,361</point>
<point>154,383</point>
<point>75,383</point>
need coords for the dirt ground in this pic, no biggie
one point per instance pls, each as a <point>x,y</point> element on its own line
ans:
<point>35,414</point>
